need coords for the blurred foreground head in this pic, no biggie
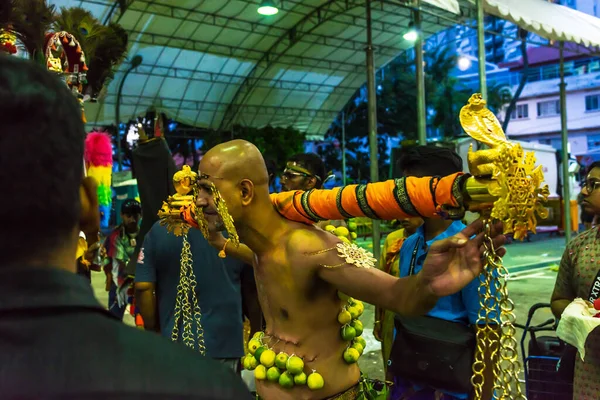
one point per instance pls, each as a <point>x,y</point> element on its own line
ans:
<point>41,167</point>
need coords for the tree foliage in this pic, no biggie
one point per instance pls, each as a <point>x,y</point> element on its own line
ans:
<point>275,143</point>
<point>397,112</point>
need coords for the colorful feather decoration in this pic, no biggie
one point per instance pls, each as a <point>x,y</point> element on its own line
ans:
<point>99,162</point>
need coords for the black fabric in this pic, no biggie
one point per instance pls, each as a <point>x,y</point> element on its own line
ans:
<point>154,170</point>
<point>57,342</point>
<point>433,352</point>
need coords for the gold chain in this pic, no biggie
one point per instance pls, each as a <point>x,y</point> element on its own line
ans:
<point>187,311</point>
<point>501,345</point>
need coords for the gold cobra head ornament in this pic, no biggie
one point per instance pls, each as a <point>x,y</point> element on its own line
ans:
<point>507,185</point>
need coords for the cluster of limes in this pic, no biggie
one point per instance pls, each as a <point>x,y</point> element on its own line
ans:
<point>283,368</point>
<point>347,235</point>
<point>352,329</point>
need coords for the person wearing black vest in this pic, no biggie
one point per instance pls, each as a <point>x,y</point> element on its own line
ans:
<point>58,342</point>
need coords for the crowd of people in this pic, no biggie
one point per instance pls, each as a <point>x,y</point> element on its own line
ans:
<point>285,278</point>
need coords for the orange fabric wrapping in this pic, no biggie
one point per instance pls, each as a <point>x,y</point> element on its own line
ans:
<point>398,198</point>
<point>187,216</point>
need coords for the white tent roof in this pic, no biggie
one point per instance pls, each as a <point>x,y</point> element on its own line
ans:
<point>549,20</point>
<point>213,64</point>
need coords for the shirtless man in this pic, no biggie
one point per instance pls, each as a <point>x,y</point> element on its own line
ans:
<point>299,272</point>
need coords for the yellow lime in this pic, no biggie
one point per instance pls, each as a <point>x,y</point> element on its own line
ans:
<point>358,327</point>
<point>286,380</point>
<point>260,373</point>
<point>300,379</point>
<point>344,317</point>
<point>360,305</point>
<point>252,362</point>
<point>246,363</point>
<point>330,228</point>
<point>360,340</point>
<point>281,360</point>
<point>267,358</point>
<point>258,335</point>
<point>315,381</point>
<point>358,347</point>
<point>354,311</point>
<point>243,359</point>
<point>341,231</point>
<point>353,235</point>
<point>348,333</point>
<point>351,355</point>
<point>253,345</point>
<point>295,365</point>
<point>344,239</point>
<point>273,374</point>
<point>259,352</point>
<point>352,226</point>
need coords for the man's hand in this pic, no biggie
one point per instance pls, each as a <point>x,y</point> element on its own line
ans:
<point>454,262</point>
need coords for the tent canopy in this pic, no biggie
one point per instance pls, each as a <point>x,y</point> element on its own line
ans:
<point>213,64</point>
<point>548,20</point>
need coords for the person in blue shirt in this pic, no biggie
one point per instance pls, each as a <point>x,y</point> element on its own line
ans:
<point>221,285</point>
<point>462,307</point>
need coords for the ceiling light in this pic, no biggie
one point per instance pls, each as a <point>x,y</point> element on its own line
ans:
<point>411,34</point>
<point>464,63</point>
<point>267,7</point>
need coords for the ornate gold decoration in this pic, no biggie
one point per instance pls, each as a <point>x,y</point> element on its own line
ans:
<point>515,180</point>
<point>225,216</point>
<point>187,311</point>
<point>351,254</point>
<point>183,181</point>
<point>506,187</point>
<point>8,41</point>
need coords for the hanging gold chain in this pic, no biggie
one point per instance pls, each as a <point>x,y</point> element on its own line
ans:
<point>187,311</point>
<point>501,345</point>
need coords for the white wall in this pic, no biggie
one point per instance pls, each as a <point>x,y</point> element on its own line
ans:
<point>577,117</point>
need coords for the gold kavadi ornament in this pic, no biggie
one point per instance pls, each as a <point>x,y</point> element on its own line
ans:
<point>507,187</point>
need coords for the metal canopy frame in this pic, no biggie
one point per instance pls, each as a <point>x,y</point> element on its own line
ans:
<point>216,64</point>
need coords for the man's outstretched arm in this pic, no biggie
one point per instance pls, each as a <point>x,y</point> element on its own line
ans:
<point>397,198</point>
<point>451,264</point>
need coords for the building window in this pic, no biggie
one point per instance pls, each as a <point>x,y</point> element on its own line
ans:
<point>592,103</point>
<point>593,142</point>
<point>548,108</point>
<point>521,111</point>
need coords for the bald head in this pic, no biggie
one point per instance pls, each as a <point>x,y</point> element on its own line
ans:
<point>235,160</point>
<point>238,172</point>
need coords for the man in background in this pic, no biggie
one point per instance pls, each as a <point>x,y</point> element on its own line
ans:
<point>120,247</point>
<point>462,307</point>
<point>306,171</point>
<point>383,328</point>
<point>221,284</point>
<point>58,342</point>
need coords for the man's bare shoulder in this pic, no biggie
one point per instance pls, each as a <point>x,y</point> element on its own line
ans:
<point>310,240</point>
